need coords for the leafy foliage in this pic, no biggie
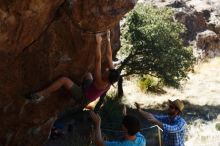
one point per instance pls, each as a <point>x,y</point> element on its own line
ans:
<point>151,44</point>
<point>217,126</point>
<point>149,83</point>
<point>111,113</point>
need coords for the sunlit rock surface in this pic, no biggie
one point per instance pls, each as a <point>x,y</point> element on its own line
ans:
<point>209,42</point>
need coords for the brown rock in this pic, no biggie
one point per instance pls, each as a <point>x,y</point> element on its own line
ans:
<point>103,14</point>
<point>194,21</point>
<point>18,20</point>
<point>209,42</point>
<point>215,28</point>
<point>214,23</point>
<point>39,42</point>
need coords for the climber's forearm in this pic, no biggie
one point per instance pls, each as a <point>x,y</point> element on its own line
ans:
<point>98,76</point>
<point>98,53</point>
<point>100,102</point>
<point>109,55</point>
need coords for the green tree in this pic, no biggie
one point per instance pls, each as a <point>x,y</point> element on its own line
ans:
<point>151,44</point>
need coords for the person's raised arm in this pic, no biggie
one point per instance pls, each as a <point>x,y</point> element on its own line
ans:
<point>98,61</point>
<point>150,117</point>
<point>98,135</point>
<point>178,126</point>
<point>100,102</point>
<point>109,51</point>
<point>146,115</point>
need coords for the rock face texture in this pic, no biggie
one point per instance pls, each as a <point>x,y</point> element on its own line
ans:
<point>202,23</point>
<point>194,21</point>
<point>209,42</point>
<point>200,18</point>
<point>41,40</point>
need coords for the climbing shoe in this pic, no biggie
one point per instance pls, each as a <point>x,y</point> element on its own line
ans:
<point>35,98</point>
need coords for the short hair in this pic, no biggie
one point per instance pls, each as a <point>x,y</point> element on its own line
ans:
<point>132,124</point>
<point>113,76</point>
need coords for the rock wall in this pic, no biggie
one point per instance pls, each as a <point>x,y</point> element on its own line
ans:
<point>202,23</point>
<point>209,42</point>
<point>41,40</point>
<point>194,21</point>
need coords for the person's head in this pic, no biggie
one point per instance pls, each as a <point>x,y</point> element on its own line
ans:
<point>130,125</point>
<point>175,107</point>
<point>113,76</point>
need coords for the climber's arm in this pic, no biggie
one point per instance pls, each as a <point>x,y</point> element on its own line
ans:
<point>109,51</point>
<point>98,135</point>
<point>98,61</point>
<point>100,102</point>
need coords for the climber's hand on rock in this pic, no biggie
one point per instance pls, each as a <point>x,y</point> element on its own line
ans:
<point>108,35</point>
<point>98,38</point>
<point>96,118</point>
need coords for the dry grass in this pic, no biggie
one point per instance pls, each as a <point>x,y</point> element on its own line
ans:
<point>201,92</point>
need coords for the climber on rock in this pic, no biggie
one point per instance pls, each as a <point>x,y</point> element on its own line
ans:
<point>92,86</point>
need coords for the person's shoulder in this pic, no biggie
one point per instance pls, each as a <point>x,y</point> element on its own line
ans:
<point>138,142</point>
<point>182,120</point>
<point>113,143</point>
<point>140,139</point>
<point>139,134</point>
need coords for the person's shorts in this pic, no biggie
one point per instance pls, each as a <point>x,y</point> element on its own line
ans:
<point>86,83</point>
<point>78,92</point>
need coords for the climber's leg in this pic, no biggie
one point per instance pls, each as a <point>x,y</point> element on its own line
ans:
<point>77,93</point>
<point>61,82</point>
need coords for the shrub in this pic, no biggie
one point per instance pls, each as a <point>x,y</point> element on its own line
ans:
<point>149,83</point>
<point>217,126</point>
<point>151,45</point>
